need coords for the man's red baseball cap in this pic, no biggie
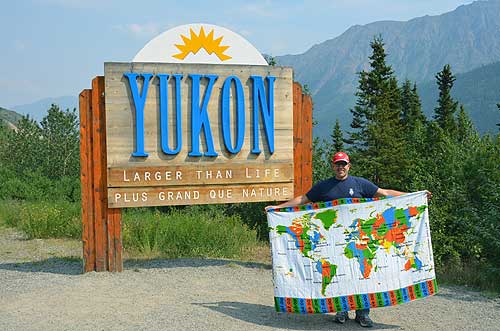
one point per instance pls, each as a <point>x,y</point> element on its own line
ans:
<point>340,156</point>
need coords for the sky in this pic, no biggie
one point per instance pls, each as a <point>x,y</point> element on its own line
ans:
<point>54,48</point>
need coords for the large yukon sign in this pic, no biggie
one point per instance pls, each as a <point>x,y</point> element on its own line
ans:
<point>198,120</point>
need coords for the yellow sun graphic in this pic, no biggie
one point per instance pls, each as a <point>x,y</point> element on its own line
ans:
<point>197,42</point>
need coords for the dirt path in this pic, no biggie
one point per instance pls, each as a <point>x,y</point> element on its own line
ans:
<point>42,288</point>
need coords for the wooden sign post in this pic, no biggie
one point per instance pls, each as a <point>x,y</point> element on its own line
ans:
<point>199,134</point>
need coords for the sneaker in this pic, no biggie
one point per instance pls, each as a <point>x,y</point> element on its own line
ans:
<point>341,317</point>
<point>364,320</point>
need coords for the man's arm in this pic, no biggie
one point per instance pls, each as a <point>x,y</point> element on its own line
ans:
<point>381,192</point>
<point>297,201</point>
<point>393,193</point>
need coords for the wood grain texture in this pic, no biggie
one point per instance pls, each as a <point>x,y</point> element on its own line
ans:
<point>121,114</point>
<point>163,196</point>
<point>85,106</point>
<point>306,134</point>
<point>253,178</point>
<point>98,136</point>
<point>206,174</point>
<point>302,140</point>
<point>297,138</point>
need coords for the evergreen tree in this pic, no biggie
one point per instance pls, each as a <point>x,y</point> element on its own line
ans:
<point>414,122</point>
<point>466,132</point>
<point>447,106</point>
<point>411,106</point>
<point>321,160</point>
<point>271,60</point>
<point>337,138</point>
<point>378,138</point>
<point>372,85</point>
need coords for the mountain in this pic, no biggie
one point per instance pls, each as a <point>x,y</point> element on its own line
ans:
<point>478,90</point>
<point>38,109</point>
<point>465,38</point>
<point>9,117</point>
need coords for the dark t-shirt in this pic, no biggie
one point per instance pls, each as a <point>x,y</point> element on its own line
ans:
<point>351,187</point>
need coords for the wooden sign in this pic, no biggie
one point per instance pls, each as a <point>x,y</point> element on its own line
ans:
<point>180,134</point>
<point>197,117</point>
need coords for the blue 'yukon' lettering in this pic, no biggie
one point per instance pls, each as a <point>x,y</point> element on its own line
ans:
<point>164,114</point>
<point>199,116</point>
<point>139,101</point>
<point>263,107</point>
<point>240,114</point>
<point>266,105</point>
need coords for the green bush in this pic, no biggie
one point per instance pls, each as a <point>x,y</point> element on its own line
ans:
<point>187,232</point>
<point>9,213</point>
<point>252,215</point>
<point>474,273</point>
<point>43,219</point>
<point>34,186</point>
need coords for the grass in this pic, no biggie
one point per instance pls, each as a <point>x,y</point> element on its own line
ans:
<point>43,219</point>
<point>473,274</point>
<point>189,232</point>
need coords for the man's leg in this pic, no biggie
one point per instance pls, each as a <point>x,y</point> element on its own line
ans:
<point>341,317</point>
<point>363,319</point>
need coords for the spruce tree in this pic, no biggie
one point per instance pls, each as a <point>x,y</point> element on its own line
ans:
<point>378,136</point>
<point>372,85</point>
<point>447,106</point>
<point>466,132</point>
<point>411,106</point>
<point>415,138</point>
<point>337,138</point>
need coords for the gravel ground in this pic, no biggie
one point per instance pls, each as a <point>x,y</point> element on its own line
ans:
<point>42,288</point>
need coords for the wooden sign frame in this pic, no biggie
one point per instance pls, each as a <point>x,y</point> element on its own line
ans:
<point>101,226</point>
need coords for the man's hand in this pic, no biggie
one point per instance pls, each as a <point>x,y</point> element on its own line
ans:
<point>429,195</point>
<point>266,208</point>
<point>300,200</point>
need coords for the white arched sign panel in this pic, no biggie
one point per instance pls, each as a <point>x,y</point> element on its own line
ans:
<point>200,43</point>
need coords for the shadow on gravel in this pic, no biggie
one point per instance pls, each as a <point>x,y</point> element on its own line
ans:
<point>54,265</point>
<point>191,263</point>
<point>74,266</point>
<point>267,316</point>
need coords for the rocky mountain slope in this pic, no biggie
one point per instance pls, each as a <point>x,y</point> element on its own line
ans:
<point>465,38</point>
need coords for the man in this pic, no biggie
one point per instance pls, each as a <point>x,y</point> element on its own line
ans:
<point>343,186</point>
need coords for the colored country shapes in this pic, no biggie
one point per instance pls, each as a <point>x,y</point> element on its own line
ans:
<point>327,271</point>
<point>413,262</point>
<point>327,217</point>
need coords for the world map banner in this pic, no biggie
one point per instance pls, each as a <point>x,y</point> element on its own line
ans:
<point>352,253</point>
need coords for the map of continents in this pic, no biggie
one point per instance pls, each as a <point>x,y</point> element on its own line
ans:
<point>363,238</point>
<point>307,236</point>
<point>386,230</point>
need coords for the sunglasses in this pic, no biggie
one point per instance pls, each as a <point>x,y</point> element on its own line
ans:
<point>340,164</point>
